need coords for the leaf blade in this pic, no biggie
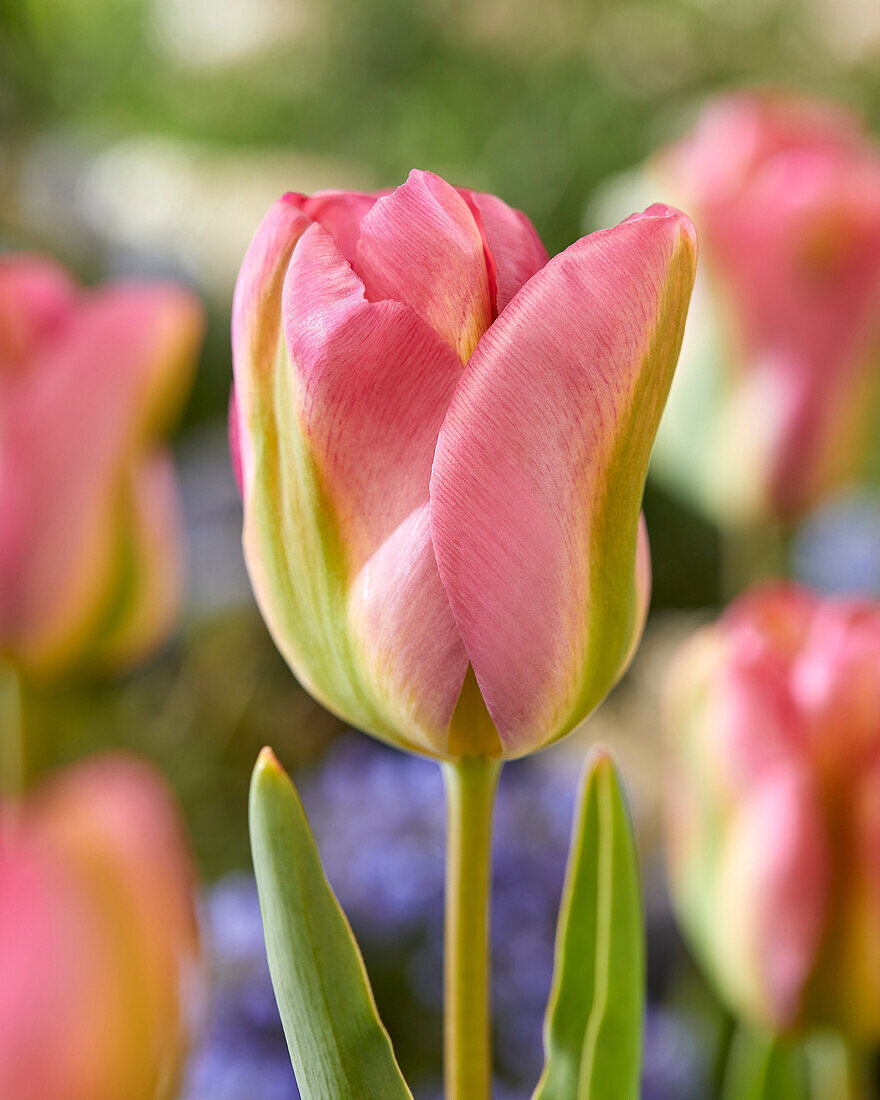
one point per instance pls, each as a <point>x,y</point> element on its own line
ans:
<point>338,1045</point>
<point>593,1027</point>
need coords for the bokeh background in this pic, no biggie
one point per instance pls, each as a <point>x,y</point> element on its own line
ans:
<point>147,137</point>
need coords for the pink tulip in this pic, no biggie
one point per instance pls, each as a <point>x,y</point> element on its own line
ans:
<point>776,397</point>
<point>89,555</point>
<point>442,439</point>
<point>774,810</point>
<point>98,942</point>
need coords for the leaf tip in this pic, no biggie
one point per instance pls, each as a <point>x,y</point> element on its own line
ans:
<point>600,761</point>
<point>267,767</point>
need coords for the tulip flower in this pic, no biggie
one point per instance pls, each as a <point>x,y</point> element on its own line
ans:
<point>442,441</point>
<point>98,941</point>
<point>774,840</point>
<point>777,393</point>
<point>89,381</point>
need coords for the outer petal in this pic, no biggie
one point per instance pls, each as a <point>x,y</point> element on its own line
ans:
<point>69,433</point>
<point>142,613</point>
<point>234,431</point>
<point>771,899</point>
<point>540,468</point>
<point>256,326</point>
<point>420,245</point>
<point>346,412</point>
<point>643,581</point>
<point>47,953</point>
<point>513,243</point>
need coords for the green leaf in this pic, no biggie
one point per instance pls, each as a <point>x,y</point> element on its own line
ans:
<point>763,1067</point>
<point>593,1027</point>
<point>337,1043</point>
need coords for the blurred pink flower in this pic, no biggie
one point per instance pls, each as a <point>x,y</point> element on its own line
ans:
<point>778,390</point>
<point>442,438</point>
<point>98,940</point>
<point>774,808</point>
<point>89,381</point>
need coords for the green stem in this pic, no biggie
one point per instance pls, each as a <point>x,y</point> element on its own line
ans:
<point>13,761</point>
<point>470,796</point>
<point>837,1070</point>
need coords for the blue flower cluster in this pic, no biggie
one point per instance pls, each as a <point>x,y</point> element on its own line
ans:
<point>378,817</point>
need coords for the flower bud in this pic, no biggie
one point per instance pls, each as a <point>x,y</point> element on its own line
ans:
<point>98,941</point>
<point>777,393</point>
<point>442,439</point>
<point>774,826</point>
<point>89,540</point>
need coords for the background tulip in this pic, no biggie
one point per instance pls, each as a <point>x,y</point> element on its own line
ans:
<point>442,439</point>
<point>89,380</point>
<point>776,395</point>
<point>774,841</point>
<point>98,942</point>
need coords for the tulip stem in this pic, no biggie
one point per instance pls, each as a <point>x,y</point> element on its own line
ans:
<point>470,797</point>
<point>837,1070</point>
<point>12,750</point>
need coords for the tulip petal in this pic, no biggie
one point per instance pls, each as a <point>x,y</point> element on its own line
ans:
<point>67,488</point>
<point>143,611</point>
<point>513,243</point>
<point>540,468</point>
<point>420,245</point>
<point>36,296</point>
<point>776,851</point>
<point>336,501</point>
<point>341,213</point>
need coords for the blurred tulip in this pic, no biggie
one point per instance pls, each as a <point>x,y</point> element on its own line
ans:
<point>89,555</point>
<point>98,941</point>
<point>442,439</point>
<point>774,809</point>
<point>777,394</point>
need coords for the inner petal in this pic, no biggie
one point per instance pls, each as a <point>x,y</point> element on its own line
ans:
<point>420,245</point>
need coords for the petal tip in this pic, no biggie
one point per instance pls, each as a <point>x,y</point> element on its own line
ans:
<point>661,211</point>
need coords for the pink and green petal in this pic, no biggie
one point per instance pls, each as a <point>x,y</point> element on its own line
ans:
<point>540,469</point>
<point>420,245</point>
<point>341,214</point>
<point>144,609</point>
<point>105,384</point>
<point>770,900</point>
<point>512,241</point>
<point>347,415</point>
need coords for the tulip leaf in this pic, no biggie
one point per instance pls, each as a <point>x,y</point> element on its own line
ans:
<point>763,1067</point>
<point>593,1027</point>
<point>338,1045</point>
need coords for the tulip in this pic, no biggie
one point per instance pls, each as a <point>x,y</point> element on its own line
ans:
<point>98,941</point>
<point>778,389</point>
<point>442,438</point>
<point>89,381</point>
<point>774,808</point>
